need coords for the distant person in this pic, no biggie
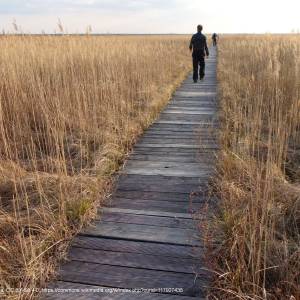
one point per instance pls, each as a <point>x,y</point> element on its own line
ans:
<point>215,38</point>
<point>199,46</point>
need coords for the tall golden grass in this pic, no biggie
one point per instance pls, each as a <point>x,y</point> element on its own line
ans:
<point>258,183</point>
<point>70,109</point>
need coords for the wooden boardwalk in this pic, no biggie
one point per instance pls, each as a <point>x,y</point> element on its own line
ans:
<point>147,237</point>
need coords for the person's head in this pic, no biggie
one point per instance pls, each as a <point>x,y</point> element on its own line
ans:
<point>199,28</point>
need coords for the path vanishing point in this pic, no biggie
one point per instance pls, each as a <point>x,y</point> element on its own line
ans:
<point>147,236</point>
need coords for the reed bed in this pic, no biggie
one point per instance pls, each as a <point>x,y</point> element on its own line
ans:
<point>70,110</point>
<point>257,222</point>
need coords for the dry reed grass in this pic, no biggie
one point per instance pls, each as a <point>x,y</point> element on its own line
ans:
<point>258,220</point>
<point>70,110</point>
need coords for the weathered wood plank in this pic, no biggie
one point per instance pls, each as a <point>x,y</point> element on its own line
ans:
<point>137,232</point>
<point>188,112</point>
<point>209,103</point>
<point>173,158</point>
<point>170,197</point>
<point>145,248</point>
<point>135,260</point>
<point>166,158</point>
<point>168,165</point>
<point>180,140</point>
<point>180,127</point>
<point>202,123</point>
<point>153,205</point>
<point>196,108</point>
<point>124,277</point>
<point>195,94</point>
<point>194,133</point>
<point>182,103</point>
<point>172,222</point>
<point>175,145</point>
<point>147,212</point>
<point>167,169</point>
<point>167,149</point>
<point>158,183</point>
<point>187,117</point>
<point>201,152</point>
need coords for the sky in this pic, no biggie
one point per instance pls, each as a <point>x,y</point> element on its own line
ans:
<point>150,16</point>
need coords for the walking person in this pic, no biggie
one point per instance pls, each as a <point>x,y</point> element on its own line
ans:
<point>214,38</point>
<point>199,47</point>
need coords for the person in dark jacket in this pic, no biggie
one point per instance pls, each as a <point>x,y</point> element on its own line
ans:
<point>215,39</point>
<point>199,47</point>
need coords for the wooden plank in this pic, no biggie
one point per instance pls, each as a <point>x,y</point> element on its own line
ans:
<point>170,197</point>
<point>167,158</point>
<point>174,131</point>
<point>195,133</point>
<point>196,108</point>
<point>195,94</point>
<point>145,248</point>
<point>195,88</point>
<point>175,158</point>
<point>201,99</point>
<point>124,277</point>
<point>167,169</point>
<point>171,154</point>
<point>166,148</point>
<point>180,103</point>
<point>199,153</point>
<point>210,96</point>
<point>201,86</point>
<point>168,165</point>
<point>172,222</point>
<point>174,152</point>
<point>179,139</point>
<point>186,117</point>
<point>202,123</point>
<point>61,290</point>
<point>137,232</point>
<point>183,140</point>
<point>135,260</point>
<point>175,108</point>
<point>147,212</point>
<point>182,127</point>
<point>153,205</point>
<point>158,184</point>
<point>185,103</point>
<point>188,112</point>
<point>197,101</point>
<point>176,145</point>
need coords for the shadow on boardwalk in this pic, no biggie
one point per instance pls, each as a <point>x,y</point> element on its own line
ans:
<point>147,237</point>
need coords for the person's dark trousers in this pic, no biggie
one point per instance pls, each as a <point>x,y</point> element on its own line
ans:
<point>198,60</point>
